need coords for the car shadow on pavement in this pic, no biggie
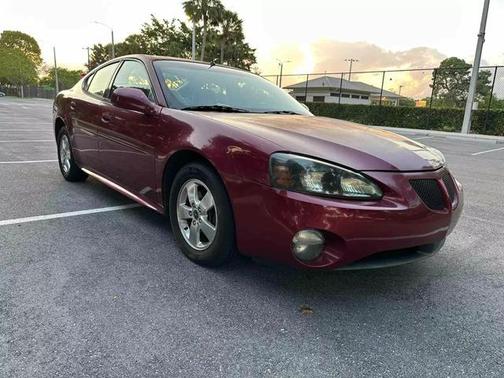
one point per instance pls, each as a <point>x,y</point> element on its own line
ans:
<point>315,285</point>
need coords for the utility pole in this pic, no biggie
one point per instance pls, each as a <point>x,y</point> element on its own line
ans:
<point>55,71</point>
<point>351,61</point>
<point>113,44</point>
<point>281,64</point>
<point>466,125</point>
<point>400,88</point>
<point>193,40</point>
<point>87,48</point>
<point>112,55</point>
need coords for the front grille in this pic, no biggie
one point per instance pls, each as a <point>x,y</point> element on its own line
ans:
<point>450,186</point>
<point>429,192</point>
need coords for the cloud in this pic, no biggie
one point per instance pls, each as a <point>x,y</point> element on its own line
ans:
<point>329,56</point>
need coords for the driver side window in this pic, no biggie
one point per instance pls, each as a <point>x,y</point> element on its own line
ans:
<point>133,74</point>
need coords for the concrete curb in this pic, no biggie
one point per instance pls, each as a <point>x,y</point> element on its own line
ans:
<point>445,134</point>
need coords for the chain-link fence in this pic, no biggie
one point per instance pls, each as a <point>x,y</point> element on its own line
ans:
<point>430,89</point>
<point>28,91</point>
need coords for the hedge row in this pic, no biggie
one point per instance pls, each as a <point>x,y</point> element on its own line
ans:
<point>413,118</point>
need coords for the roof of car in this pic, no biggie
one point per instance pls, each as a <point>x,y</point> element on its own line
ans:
<point>151,58</point>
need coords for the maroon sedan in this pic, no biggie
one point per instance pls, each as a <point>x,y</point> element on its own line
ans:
<point>239,165</point>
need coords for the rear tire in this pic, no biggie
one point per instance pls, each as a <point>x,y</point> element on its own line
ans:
<point>201,216</point>
<point>68,167</point>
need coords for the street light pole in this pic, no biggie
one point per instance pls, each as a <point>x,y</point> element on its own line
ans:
<point>351,60</point>
<point>88,60</point>
<point>113,44</point>
<point>55,71</point>
<point>281,64</point>
<point>466,125</point>
<point>112,55</point>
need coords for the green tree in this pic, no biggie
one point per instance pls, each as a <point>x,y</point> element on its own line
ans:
<point>66,78</point>
<point>205,13</point>
<point>407,102</point>
<point>166,37</point>
<point>230,30</point>
<point>224,42</point>
<point>98,55</point>
<point>452,79</point>
<point>16,68</point>
<point>22,42</point>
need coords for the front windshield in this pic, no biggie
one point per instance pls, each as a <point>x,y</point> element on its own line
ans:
<point>193,86</point>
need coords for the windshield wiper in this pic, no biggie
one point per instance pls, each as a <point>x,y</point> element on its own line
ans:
<point>281,112</point>
<point>216,108</point>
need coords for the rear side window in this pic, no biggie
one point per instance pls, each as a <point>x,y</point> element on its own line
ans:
<point>100,83</point>
<point>133,74</point>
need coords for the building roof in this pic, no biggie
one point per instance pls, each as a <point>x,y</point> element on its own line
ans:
<point>330,82</point>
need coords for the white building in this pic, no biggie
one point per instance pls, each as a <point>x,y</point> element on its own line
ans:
<point>334,90</point>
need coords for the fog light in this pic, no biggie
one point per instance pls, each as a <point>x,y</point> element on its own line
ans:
<point>307,245</point>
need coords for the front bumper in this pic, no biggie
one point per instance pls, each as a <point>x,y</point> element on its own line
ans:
<point>400,227</point>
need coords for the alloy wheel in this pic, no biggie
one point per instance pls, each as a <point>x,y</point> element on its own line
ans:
<point>197,214</point>
<point>64,154</point>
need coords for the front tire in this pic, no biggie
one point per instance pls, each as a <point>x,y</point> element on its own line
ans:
<point>68,167</point>
<point>201,216</point>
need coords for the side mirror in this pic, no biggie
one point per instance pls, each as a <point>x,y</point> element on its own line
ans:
<point>133,99</point>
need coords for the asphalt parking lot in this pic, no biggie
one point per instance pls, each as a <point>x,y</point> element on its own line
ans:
<point>107,293</point>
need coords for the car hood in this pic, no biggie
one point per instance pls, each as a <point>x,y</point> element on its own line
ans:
<point>342,142</point>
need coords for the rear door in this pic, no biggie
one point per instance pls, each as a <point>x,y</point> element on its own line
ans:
<point>127,139</point>
<point>87,112</point>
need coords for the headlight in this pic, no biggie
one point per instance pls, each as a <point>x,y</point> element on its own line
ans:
<point>301,174</point>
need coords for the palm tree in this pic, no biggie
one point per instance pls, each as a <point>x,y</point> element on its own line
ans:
<point>205,12</point>
<point>230,29</point>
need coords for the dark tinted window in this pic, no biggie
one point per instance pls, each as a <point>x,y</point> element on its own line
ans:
<point>101,80</point>
<point>318,98</point>
<point>133,74</point>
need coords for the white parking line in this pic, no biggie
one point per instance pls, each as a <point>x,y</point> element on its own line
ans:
<point>487,151</point>
<point>23,130</point>
<point>424,137</point>
<point>25,122</point>
<point>27,141</point>
<point>27,161</point>
<point>68,214</point>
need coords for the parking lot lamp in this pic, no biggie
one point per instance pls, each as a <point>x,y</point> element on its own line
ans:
<point>112,55</point>
<point>55,72</point>
<point>281,64</point>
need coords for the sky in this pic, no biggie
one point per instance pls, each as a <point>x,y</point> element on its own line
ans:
<point>315,35</point>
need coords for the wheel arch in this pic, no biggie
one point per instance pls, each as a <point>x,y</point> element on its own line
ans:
<point>58,125</point>
<point>176,161</point>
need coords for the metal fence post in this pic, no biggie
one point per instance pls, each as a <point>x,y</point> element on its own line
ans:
<point>382,84</point>
<point>490,99</point>
<point>306,88</point>
<point>340,88</point>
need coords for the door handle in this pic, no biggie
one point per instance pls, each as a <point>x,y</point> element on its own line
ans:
<point>73,105</point>
<point>106,118</point>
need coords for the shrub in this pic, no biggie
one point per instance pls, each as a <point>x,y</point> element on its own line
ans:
<point>413,118</point>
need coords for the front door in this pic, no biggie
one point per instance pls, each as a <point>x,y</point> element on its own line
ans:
<point>127,138</point>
